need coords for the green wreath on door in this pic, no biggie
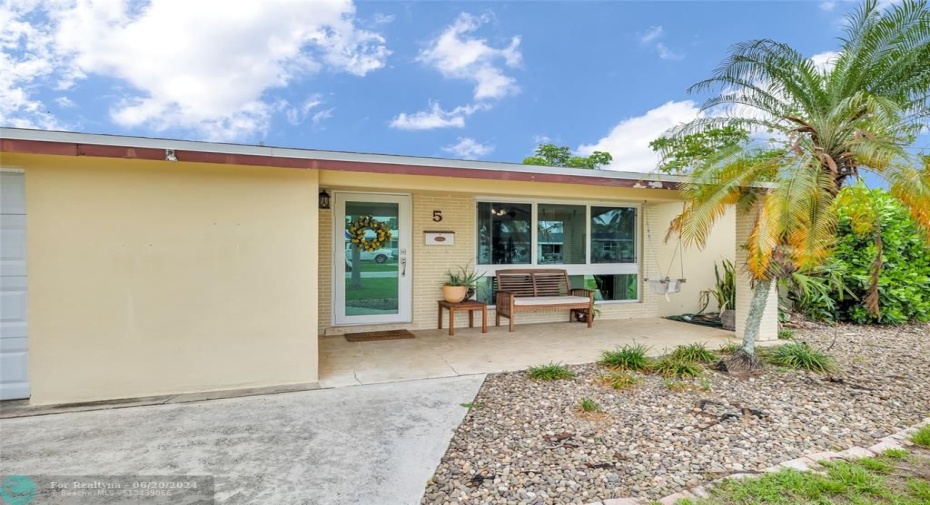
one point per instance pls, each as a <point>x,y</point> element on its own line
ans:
<point>357,230</point>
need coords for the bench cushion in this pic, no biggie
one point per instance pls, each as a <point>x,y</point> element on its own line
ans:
<point>549,300</point>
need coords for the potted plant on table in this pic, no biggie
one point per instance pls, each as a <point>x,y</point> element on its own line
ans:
<point>460,283</point>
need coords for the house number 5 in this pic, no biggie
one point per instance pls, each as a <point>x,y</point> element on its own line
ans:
<point>437,215</point>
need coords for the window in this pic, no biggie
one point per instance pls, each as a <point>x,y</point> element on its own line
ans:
<point>609,287</point>
<point>613,231</point>
<point>596,244</point>
<point>504,233</point>
<point>560,234</point>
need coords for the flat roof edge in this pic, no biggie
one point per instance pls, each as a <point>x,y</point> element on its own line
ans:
<point>153,148</point>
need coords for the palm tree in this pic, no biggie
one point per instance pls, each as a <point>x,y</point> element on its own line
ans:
<point>860,111</point>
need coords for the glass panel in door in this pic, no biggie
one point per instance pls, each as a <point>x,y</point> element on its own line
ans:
<point>371,280</point>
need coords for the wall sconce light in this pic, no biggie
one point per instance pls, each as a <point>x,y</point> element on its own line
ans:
<point>324,199</point>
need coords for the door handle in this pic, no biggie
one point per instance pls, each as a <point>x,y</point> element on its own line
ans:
<point>403,262</point>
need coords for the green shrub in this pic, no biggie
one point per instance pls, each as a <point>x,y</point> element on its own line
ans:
<point>629,357</point>
<point>785,334</point>
<point>730,347</point>
<point>799,355</point>
<point>619,380</point>
<point>904,279</point>
<point>550,371</point>
<point>669,366</point>
<point>922,437</point>
<point>589,405</point>
<point>815,292</point>
<point>695,353</point>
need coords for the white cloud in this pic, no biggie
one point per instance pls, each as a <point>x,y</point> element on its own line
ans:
<point>542,139</point>
<point>435,117</point>
<point>654,33</point>
<point>652,38</point>
<point>65,102</point>
<point>458,55</point>
<point>469,149</point>
<point>628,141</point>
<point>383,19</point>
<point>201,66</point>
<point>320,116</point>
<point>827,6</point>
<point>666,54</point>
<point>297,115</point>
<point>26,60</point>
<point>825,60</point>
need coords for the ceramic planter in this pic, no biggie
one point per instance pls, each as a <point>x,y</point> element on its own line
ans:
<point>454,294</point>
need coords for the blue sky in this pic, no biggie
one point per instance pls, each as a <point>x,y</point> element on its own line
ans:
<point>483,80</point>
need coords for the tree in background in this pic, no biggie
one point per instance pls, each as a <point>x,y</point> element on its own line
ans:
<point>550,155</point>
<point>874,230</point>
<point>683,153</point>
<point>859,112</point>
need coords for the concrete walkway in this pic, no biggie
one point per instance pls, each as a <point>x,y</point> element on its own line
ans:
<point>433,353</point>
<point>366,444</point>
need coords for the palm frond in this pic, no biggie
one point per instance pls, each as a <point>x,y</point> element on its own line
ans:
<point>910,185</point>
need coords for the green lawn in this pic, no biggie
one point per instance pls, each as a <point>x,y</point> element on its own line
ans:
<point>896,478</point>
<point>371,266</point>
<point>372,289</point>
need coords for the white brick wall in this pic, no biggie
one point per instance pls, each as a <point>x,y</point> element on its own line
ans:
<point>769,328</point>
<point>431,262</point>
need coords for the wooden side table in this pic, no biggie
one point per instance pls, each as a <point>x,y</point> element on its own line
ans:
<point>471,306</point>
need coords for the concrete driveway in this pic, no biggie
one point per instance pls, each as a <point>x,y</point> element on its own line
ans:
<point>365,444</point>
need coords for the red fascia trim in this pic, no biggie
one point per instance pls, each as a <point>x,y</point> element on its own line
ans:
<point>147,153</point>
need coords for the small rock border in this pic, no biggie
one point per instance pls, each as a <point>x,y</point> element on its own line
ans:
<point>899,440</point>
<point>526,441</point>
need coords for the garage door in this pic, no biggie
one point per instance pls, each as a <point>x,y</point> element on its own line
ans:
<point>14,344</point>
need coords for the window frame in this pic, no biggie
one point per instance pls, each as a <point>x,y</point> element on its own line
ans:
<point>587,268</point>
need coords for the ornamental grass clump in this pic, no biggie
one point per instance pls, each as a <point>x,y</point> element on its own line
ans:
<point>694,353</point>
<point>549,372</point>
<point>670,366</point>
<point>619,380</point>
<point>589,405</point>
<point>729,348</point>
<point>800,356</point>
<point>628,357</point>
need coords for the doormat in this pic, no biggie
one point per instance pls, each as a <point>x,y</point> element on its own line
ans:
<point>370,336</point>
<point>712,320</point>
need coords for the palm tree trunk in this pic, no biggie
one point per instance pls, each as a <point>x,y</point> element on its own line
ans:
<point>760,296</point>
<point>745,360</point>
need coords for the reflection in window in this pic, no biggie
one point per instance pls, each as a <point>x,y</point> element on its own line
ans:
<point>609,287</point>
<point>486,290</point>
<point>504,233</point>
<point>613,231</point>
<point>560,235</point>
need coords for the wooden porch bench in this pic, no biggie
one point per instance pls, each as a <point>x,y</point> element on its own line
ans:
<point>525,289</point>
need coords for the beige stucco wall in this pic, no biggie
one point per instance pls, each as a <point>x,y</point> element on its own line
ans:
<point>697,264</point>
<point>768,329</point>
<point>457,203</point>
<point>150,278</point>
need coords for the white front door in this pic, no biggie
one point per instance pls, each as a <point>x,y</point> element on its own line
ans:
<point>372,286</point>
<point>14,330</point>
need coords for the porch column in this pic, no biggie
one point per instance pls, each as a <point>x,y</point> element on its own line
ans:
<point>769,327</point>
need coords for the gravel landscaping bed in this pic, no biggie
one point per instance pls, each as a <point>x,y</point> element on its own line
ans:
<point>526,441</point>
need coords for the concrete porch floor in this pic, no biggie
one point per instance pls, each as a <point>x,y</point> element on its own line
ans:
<point>433,353</point>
